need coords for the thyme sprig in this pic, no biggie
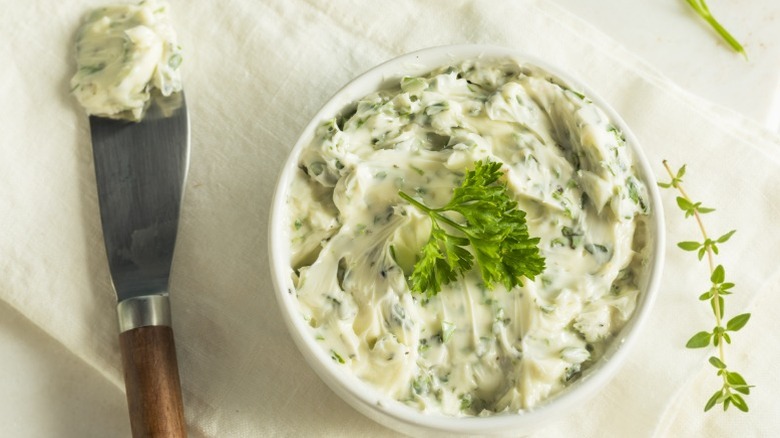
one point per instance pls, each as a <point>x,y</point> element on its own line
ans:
<point>700,6</point>
<point>734,385</point>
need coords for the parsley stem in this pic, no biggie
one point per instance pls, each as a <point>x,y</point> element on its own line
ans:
<point>432,212</point>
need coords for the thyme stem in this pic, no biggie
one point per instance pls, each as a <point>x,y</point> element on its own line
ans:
<point>710,256</point>
<point>700,7</point>
<point>733,383</point>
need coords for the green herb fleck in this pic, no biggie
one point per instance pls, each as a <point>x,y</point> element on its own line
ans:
<point>422,384</point>
<point>465,402</point>
<point>92,69</point>
<point>436,108</point>
<point>174,61</point>
<point>337,357</point>
<point>574,236</point>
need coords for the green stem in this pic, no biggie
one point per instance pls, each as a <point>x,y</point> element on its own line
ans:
<point>700,6</point>
<point>726,35</point>
<point>435,213</point>
<point>414,202</point>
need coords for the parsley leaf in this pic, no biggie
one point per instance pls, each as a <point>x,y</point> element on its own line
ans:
<point>493,226</point>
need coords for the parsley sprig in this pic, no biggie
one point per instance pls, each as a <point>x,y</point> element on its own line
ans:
<point>734,385</point>
<point>700,6</point>
<point>482,215</point>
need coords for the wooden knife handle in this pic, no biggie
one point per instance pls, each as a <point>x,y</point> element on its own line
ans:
<point>152,382</point>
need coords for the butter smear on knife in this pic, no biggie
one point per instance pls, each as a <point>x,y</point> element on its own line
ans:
<point>123,53</point>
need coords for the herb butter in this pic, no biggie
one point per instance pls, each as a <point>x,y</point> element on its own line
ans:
<point>467,350</point>
<point>124,52</point>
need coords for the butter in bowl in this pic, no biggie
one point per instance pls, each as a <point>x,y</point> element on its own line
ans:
<point>465,240</point>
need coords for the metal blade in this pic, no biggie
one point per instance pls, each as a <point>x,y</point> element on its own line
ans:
<point>140,169</point>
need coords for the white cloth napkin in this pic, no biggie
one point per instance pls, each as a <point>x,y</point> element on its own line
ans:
<point>254,73</point>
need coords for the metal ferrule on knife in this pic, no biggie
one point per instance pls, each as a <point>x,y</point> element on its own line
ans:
<point>143,311</point>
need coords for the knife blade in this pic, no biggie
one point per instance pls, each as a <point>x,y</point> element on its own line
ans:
<point>140,169</point>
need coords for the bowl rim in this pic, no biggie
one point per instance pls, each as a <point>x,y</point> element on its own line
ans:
<point>360,394</point>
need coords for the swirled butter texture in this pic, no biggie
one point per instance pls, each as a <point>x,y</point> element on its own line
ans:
<point>467,350</point>
<point>123,53</point>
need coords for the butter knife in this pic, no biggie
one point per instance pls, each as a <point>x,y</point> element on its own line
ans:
<point>140,169</point>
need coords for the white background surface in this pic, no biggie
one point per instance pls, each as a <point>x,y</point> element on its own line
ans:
<point>72,400</point>
<point>670,37</point>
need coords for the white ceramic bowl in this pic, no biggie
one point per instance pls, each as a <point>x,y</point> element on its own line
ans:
<point>365,398</point>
